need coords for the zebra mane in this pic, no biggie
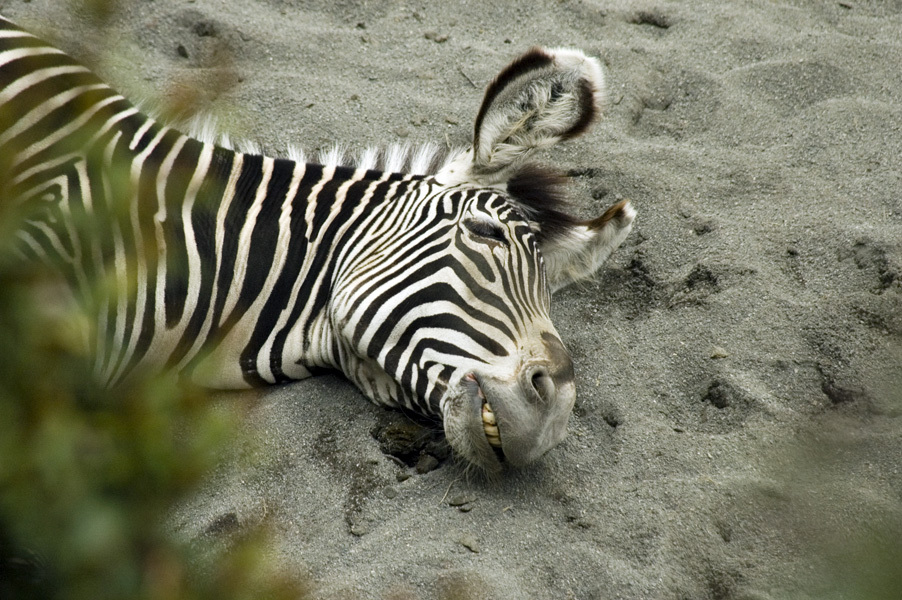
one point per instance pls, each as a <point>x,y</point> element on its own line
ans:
<point>539,191</point>
<point>417,159</point>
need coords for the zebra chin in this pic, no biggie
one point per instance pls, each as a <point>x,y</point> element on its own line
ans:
<point>492,421</point>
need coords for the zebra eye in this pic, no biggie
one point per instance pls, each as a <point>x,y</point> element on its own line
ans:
<point>486,229</point>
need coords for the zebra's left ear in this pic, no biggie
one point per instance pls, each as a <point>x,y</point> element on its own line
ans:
<point>541,98</point>
<point>575,251</point>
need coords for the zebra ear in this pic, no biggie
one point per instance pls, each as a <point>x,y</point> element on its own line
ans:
<point>576,252</point>
<point>541,98</point>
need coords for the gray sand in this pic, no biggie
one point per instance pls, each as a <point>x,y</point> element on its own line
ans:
<point>737,432</point>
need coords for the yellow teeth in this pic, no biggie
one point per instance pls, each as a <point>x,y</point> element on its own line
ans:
<point>488,417</point>
<point>490,426</point>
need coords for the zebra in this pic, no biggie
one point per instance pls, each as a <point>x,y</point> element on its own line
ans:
<point>428,287</point>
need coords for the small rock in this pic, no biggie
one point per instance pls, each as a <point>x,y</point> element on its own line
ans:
<point>359,529</point>
<point>461,499</point>
<point>451,120</point>
<point>600,192</point>
<point>469,541</point>
<point>402,132</point>
<point>401,476</point>
<point>718,352</point>
<point>436,37</point>
<point>655,19</point>
<point>182,51</point>
<point>702,226</point>
<point>402,439</point>
<point>465,508</point>
<point>224,524</point>
<point>390,492</point>
<point>439,448</point>
<point>426,463</point>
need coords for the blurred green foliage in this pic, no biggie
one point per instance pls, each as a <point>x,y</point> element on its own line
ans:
<point>89,474</point>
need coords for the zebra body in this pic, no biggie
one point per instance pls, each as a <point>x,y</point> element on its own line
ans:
<point>429,291</point>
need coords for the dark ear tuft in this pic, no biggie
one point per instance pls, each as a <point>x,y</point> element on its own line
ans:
<point>589,110</point>
<point>534,58</point>
<point>541,192</point>
<point>618,213</point>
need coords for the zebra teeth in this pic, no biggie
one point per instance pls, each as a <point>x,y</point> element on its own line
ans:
<point>490,426</point>
<point>488,415</point>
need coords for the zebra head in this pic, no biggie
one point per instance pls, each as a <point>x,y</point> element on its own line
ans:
<point>446,312</point>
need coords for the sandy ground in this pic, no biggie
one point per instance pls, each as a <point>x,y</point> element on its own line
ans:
<point>738,431</point>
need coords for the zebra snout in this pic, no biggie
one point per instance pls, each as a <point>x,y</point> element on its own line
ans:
<point>513,417</point>
<point>528,414</point>
<point>538,383</point>
<point>548,371</point>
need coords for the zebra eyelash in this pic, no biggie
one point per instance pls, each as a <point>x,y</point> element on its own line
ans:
<point>488,230</point>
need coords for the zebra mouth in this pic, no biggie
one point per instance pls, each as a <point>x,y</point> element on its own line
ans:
<point>490,426</point>
<point>489,420</point>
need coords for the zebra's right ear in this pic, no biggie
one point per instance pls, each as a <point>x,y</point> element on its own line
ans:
<point>541,98</point>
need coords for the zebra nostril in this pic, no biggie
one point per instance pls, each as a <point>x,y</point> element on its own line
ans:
<point>542,384</point>
<point>537,381</point>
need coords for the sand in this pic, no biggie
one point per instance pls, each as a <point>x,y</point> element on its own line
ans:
<point>738,431</point>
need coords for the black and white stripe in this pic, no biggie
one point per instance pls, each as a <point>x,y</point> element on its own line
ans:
<point>265,268</point>
<point>425,278</point>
